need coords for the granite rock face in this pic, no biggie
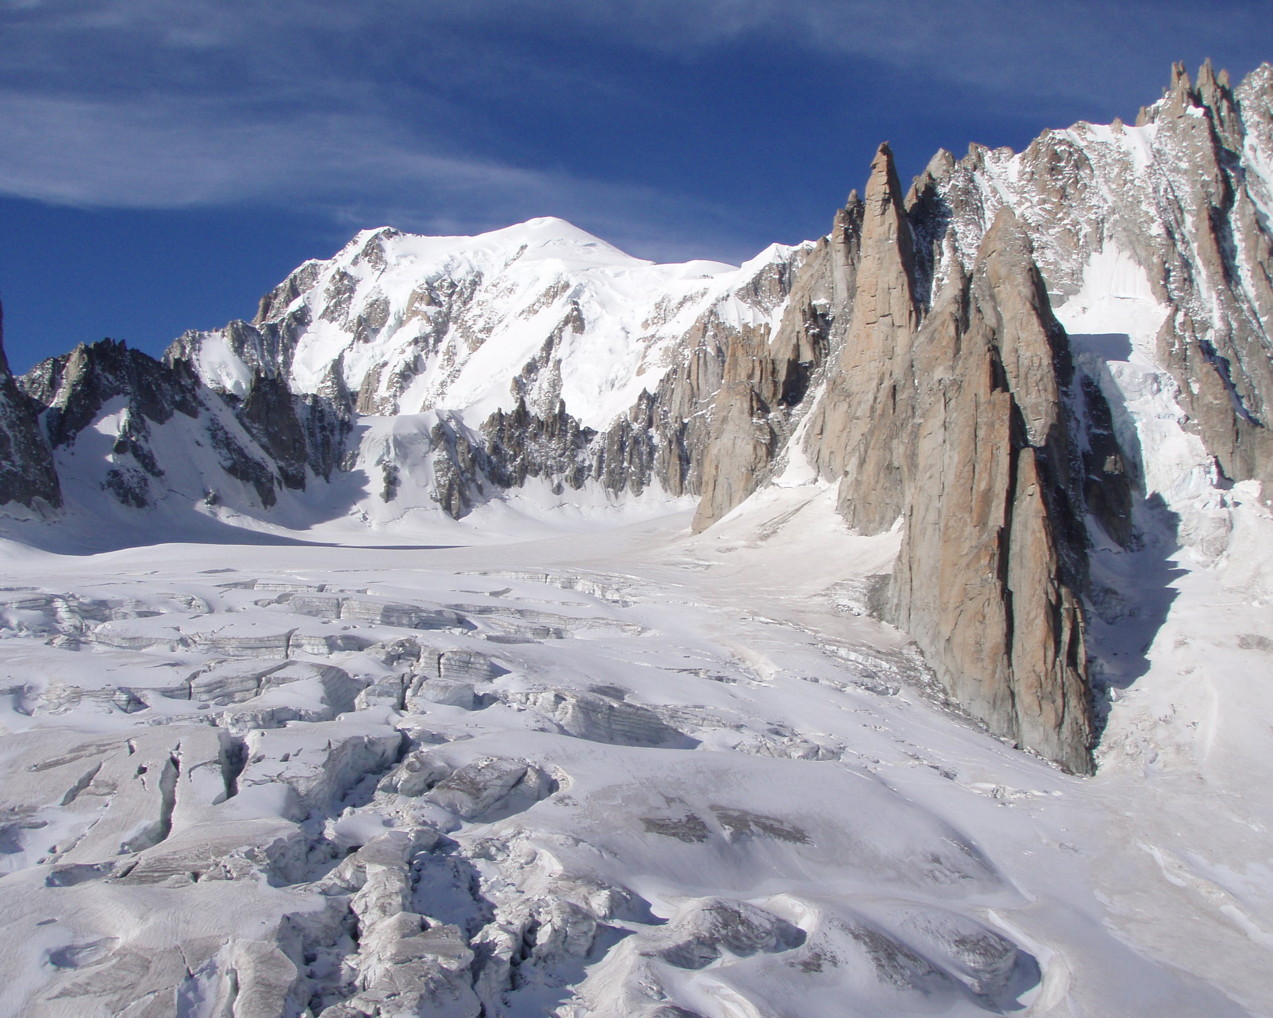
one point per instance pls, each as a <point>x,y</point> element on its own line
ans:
<point>992,563</point>
<point>1179,205</point>
<point>766,373</point>
<point>870,396</point>
<point>161,429</point>
<point>959,429</point>
<point>27,474</point>
<point>950,403</point>
<point>1185,197</point>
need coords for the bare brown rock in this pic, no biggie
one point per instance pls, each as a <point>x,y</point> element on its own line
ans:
<point>956,424</point>
<point>987,575</point>
<point>856,426</point>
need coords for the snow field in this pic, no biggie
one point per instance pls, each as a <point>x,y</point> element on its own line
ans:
<point>616,772</point>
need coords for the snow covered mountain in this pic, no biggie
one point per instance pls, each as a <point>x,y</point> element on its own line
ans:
<point>1019,412</point>
<point>536,351</point>
<point>411,375</point>
<point>412,324</point>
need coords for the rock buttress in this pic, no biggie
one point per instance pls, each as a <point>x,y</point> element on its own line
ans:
<point>956,423</point>
<point>993,554</point>
<point>27,474</point>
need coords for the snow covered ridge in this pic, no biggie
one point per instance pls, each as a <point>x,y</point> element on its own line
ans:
<point>411,377</point>
<point>412,324</point>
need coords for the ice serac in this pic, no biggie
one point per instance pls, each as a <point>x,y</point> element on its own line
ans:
<point>27,475</point>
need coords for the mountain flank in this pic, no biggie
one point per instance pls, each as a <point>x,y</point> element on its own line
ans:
<point>1026,363</point>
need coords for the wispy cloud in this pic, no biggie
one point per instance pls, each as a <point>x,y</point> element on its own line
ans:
<point>347,110</point>
<point>393,108</point>
<point>352,168</point>
<point>1063,46</point>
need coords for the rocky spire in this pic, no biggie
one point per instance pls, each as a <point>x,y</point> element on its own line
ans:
<point>987,577</point>
<point>854,433</point>
<point>887,291</point>
<point>956,423</point>
<point>1215,96</point>
<point>1179,79</point>
<point>1176,99</point>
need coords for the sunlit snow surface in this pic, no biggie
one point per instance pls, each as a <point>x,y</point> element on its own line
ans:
<point>420,323</point>
<point>623,771</point>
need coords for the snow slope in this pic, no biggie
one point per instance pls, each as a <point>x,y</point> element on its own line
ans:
<point>416,323</point>
<point>628,771</point>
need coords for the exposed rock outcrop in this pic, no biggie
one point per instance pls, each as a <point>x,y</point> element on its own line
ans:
<point>72,389</point>
<point>959,429</point>
<point>869,402</point>
<point>106,388</point>
<point>27,474</point>
<point>949,400</point>
<point>767,372</point>
<point>993,562</point>
<point>1186,197</point>
<point>302,434</point>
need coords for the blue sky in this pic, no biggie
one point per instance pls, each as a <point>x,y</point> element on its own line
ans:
<point>164,163</point>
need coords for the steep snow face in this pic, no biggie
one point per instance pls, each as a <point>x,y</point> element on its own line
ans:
<point>536,353</point>
<point>541,311</point>
<point>541,320</point>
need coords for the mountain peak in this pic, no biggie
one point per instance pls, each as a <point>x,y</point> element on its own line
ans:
<point>883,168</point>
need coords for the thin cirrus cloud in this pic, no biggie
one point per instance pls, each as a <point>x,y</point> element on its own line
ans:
<point>1015,51</point>
<point>345,166</point>
<point>348,111</point>
<point>380,106</point>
